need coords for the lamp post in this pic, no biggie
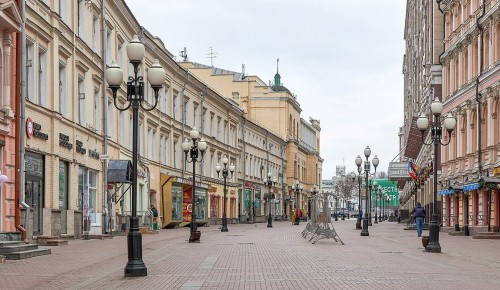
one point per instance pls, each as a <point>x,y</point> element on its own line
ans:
<point>381,199</point>
<point>372,187</point>
<point>387,199</point>
<point>436,135</point>
<point>135,95</point>
<point>225,173</point>
<point>358,221</point>
<point>270,183</point>
<point>375,161</point>
<point>297,189</point>
<point>336,194</point>
<point>377,194</point>
<point>314,191</point>
<point>193,149</point>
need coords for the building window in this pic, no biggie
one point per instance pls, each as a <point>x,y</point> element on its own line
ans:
<point>95,33</point>
<point>195,116</point>
<point>110,119</point>
<point>175,154</point>
<point>119,58</point>
<point>87,193</point>
<point>62,89</point>
<point>42,77</point>
<point>108,47</point>
<point>174,106</point>
<point>150,144</point>
<point>155,146</point>
<point>97,111</point>
<point>81,101</point>
<point>186,110</point>
<point>63,11</point>
<point>162,150</point>
<point>30,53</point>
<point>81,10</point>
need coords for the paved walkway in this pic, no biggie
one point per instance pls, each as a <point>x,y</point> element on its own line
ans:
<point>252,256</point>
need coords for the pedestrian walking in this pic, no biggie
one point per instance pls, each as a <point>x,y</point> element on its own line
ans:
<point>419,215</point>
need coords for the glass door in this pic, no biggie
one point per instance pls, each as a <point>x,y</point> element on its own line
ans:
<point>63,195</point>
<point>34,190</point>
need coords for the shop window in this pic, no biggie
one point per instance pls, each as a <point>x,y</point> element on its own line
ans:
<point>176,203</point>
<point>201,205</point>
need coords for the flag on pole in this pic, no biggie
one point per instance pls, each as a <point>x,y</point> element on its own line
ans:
<point>413,170</point>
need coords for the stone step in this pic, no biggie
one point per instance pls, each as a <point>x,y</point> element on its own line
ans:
<point>9,243</point>
<point>57,242</point>
<point>27,254</point>
<point>487,237</point>
<point>489,233</point>
<point>18,248</point>
<point>455,233</point>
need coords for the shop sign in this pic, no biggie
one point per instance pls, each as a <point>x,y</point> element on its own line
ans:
<point>64,141</point>
<point>190,182</point>
<point>496,171</point>
<point>94,154</point>
<point>33,130</point>
<point>79,147</point>
<point>398,170</point>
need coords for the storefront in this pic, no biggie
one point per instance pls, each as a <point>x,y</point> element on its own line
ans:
<point>177,201</point>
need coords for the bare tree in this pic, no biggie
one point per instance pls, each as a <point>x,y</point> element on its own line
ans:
<point>382,175</point>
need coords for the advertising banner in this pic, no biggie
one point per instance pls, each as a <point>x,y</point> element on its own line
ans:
<point>187,204</point>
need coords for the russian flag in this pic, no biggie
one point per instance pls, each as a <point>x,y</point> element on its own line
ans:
<point>413,170</point>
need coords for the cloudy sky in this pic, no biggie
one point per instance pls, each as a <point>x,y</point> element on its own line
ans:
<point>342,58</point>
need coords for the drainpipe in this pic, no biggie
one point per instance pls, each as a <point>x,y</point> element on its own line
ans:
<point>20,195</point>
<point>106,210</point>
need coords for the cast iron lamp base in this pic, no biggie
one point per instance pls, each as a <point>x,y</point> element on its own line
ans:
<point>224,224</point>
<point>195,237</point>
<point>364,231</point>
<point>269,222</point>
<point>135,266</point>
<point>433,246</point>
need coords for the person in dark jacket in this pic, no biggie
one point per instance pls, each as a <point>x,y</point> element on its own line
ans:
<point>419,215</point>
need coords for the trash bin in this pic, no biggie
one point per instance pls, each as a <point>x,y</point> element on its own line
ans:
<point>155,226</point>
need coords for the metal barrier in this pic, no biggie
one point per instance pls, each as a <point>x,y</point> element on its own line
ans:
<point>320,222</point>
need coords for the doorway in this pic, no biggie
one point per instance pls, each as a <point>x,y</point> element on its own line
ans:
<point>35,189</point>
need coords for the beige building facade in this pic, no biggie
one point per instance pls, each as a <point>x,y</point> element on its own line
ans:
<point>273,106</point>
<point>74,131</point>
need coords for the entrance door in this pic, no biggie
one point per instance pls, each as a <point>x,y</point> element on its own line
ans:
<point>63,195</point>
<point>34,191</point>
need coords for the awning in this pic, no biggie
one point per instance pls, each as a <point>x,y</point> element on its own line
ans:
<point>447,191</point>
<point>470,187</point>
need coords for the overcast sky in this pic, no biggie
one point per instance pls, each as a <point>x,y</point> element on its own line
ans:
<point>342,58</point>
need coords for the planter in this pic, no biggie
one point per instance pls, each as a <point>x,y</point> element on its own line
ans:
<point>425,241</point>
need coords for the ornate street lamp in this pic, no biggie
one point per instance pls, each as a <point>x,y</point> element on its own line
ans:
<point>225,173</point>
<point>135,95</point>
<point>270,183</point>
<point>375,161</point>
<point>297,189</point>
<point>377,199</point>
<point>387,199</point>
<point>193,149</point>
<point>436,135</point>
<point>360,214</point>
<point>314,191</point>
